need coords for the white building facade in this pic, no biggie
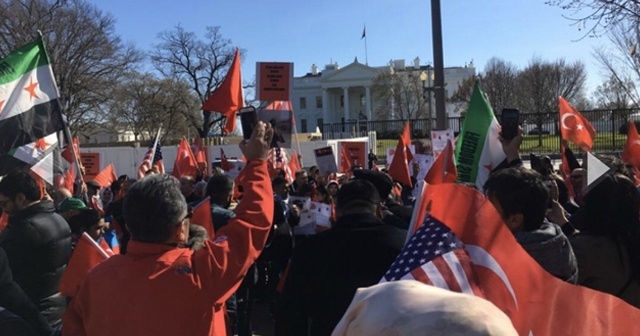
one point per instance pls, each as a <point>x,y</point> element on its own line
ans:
<point>338,95</point>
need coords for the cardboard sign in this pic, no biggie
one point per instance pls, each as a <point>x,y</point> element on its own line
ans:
<point>357,153</point>
<point>326,160</point>
<point>281,122</point>
<point>439,140</point>
<point>392,151</point>
<point>91,163</point>
<point>318,215</point>
<point>274,81</point>
<point>425,162</point>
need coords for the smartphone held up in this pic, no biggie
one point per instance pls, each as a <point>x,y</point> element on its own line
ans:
<point>248,120</point>
<point>510,121</point>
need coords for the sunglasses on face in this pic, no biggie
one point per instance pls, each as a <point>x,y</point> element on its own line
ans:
<point>188,215</point>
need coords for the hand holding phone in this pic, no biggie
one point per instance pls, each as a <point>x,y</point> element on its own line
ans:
<point>510,119</point>
<point>248,120</point>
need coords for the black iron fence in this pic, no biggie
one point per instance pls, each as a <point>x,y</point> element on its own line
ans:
<point>541,130</point>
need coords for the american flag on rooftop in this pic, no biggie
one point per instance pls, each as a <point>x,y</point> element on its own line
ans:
<point>435,256</point>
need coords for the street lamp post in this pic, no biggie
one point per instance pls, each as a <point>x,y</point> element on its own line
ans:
<point>426,78</point>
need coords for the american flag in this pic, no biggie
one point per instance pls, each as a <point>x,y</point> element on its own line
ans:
<point>435,256</point>
<point>279,159</point>
<point>147,163</point>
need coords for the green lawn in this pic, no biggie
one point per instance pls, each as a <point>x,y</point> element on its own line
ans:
<point>545,144</point>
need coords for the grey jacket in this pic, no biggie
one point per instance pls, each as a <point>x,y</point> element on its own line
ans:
<point>552,250</point>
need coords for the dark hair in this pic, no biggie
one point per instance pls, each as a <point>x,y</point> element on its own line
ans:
<point>115,187</point>
<point>520,191</point>
<point>20,182</point>
<point>618,165</point>
<point>357,195</point>
<point>84,220</point>
<point>325,194</point>
<point>219,187</point>
<point>278,181</point>
<point>153,207</point>
<point>611,210</point>
<point>304,190</point>
<point>300,173</point>
<point>381,181</point>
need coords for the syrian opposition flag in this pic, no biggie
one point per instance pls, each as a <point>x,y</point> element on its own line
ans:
<point>30,115</point>
<point>478,149</point>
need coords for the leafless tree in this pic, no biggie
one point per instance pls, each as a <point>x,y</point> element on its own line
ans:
<point>181,55</point>
<point>612,95</point>
<point>593,17</point>
<point>142,102</point>
<point>541,82</point>
<point>498,83</point>
<point>621,61</point>
<point>87,55</point>
<point>399,95</point>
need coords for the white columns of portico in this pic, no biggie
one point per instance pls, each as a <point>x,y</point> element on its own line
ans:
<point>325,107</point>
<point>367,94</point>
<point>345,94</point>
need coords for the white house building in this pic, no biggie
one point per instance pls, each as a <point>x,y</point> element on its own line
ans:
<point>339,94</point>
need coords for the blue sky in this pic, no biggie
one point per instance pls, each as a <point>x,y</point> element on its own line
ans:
<point>320,32</point>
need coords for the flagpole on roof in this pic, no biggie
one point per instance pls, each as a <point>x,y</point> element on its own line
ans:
<point>364,36</point>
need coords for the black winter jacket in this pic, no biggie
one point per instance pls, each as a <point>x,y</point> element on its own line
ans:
<point>15,300</point>
<point>38,244</point>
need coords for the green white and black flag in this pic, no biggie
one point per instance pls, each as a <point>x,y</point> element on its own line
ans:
<point>30,116</point>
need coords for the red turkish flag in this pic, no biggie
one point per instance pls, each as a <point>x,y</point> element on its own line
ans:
<point>69,178</point>
<point>86,255</point>
<point>574,127</point>
<point>631,152</point>
<point>106,176</point>
<point>294,163</point>
<point>536,302</point>
<point>224,162</point>
<point>399,167</point>
<point>202,216</point>
<point>70,153</point>
<point>345,160</point>
<point>406,137</point>
<point>227,98</point>
<point>185,161</point>
<point>443,169</point>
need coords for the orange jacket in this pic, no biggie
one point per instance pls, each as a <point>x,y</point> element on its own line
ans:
<point>164,290</point>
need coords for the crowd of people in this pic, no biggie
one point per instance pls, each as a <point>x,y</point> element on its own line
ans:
<point>318,274</point>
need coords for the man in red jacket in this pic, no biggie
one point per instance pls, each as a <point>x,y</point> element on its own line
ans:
<point>162,288</point>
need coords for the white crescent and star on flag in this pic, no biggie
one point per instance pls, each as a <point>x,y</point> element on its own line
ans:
<point>563,120</point>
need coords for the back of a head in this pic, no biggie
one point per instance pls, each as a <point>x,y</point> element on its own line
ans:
<point>412,308</point>
<point>278,181</point>
<point>617,165</point>
<point>83,220</point>
<point>612,209</point>
<point>520,191</point>
<point>611,206</point>
<point>153,207</point>
<point>19,182</point>
<point>381,181</point>
<point>219,187</point>
<point>357,196</point>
